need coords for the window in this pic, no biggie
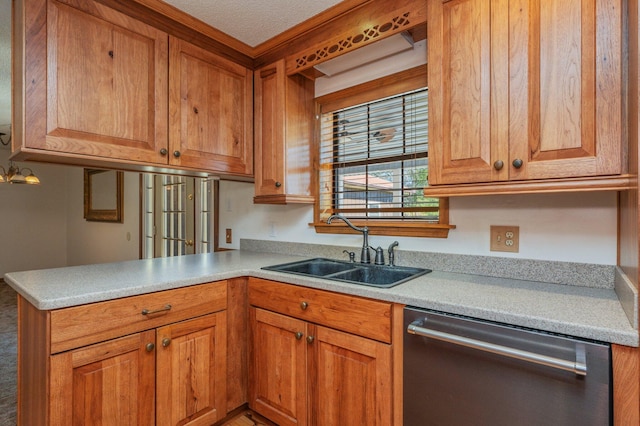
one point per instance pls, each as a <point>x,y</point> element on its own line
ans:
<point>373,162</point>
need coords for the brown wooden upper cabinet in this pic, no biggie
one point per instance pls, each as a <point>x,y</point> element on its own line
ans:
<point>524,89</point>
<point>95,83</point>
<point>283,136</point>
<point>100,88</point>
<point>210,111</point>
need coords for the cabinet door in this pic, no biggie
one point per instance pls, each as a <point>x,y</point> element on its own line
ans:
<point>110,383</point>
<point>565,88</point>
<point>191,372</point>
<point>468,120</point>
<point>352,379</point>
<point>283,136</point>
<point>278,368</point>
<point>523,89</point>
<point>270,132</point>
<point>106,91</point>
<point>211,111</point>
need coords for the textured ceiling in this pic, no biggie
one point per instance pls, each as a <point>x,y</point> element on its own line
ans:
<point>249,21</point>
<point>252,21</point>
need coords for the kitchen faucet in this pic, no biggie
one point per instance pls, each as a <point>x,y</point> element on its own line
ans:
<point>365,256</point>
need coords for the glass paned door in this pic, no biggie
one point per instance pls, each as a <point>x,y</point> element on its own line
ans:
<point>177,214</point>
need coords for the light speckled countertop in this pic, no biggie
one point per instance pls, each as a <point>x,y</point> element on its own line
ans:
<point>593,313</point>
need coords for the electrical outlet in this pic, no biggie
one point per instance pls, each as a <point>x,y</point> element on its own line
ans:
<point>228,236</point>
<point>505,238</point>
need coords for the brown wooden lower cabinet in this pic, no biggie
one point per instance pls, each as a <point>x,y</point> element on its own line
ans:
<point>305,373</point>
<point>110,383</point>
<point>170,371</point>
<point>626,385</point>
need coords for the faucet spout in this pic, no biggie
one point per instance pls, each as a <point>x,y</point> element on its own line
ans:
<point>365,255</point>
<point>347,221</point>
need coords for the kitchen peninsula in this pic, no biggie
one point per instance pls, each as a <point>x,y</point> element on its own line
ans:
<point>93,301</point>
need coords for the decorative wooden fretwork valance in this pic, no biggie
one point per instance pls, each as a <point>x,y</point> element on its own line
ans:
<point>385,26</point>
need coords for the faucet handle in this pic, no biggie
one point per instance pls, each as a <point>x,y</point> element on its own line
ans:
<point>379,260</point>
<point>352,255</point>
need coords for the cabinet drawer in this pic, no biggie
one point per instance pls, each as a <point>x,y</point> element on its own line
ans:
<point>352,314</point>
<point>82,325</point>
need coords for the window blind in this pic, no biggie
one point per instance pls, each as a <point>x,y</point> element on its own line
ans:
<point>373,160</point>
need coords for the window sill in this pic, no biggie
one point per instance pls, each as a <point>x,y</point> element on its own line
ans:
<point>398,229</point>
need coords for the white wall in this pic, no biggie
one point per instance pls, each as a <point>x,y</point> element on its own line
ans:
<point>33,226</point>
<point>572,227</point>
<point>98,242</point>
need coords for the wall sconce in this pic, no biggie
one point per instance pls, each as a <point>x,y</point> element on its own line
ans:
<point>16,174</point>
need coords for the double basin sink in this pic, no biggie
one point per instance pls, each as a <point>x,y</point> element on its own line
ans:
<point>383,276</point>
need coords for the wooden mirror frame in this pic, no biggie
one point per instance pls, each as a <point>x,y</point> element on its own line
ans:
<point>96,215</point>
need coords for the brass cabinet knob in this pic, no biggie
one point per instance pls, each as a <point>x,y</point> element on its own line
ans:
<point>299,335</point>
<point>166,342</point>
<point>189,243</point>
<point>310,339</point>
<point>163,151</point>
<point>176,154</point>
<point>304,306</point>
<point>499,164</point>
<point>278,184</point>
<point>517,163</point>
<point>150,347</point>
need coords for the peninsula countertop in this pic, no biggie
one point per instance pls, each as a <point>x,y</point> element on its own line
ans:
<point>592,313</point>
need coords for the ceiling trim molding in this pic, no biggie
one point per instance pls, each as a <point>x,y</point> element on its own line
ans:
<point>309,25</point>
<point>354,38</point>
<point>318,32</point>
<point>177,15</point>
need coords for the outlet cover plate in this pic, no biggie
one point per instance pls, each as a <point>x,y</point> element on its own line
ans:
<point>505,238</point>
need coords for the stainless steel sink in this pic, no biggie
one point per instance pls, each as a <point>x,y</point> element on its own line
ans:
<point>356,273</point>
<point>316,267</point>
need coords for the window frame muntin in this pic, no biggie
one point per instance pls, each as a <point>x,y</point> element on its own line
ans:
<point>370,161</point>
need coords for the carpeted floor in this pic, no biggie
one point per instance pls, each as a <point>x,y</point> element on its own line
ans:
<point>8,345</point>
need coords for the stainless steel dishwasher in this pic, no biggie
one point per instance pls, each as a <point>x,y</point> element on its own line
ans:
<point>464,371</point>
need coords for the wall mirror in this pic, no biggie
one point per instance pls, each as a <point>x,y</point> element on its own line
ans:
<point>103,195</point>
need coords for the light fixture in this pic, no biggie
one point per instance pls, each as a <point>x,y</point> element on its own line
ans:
<point>16,174</point>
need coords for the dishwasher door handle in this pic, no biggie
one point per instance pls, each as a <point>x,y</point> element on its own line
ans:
<point>579,367</point>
